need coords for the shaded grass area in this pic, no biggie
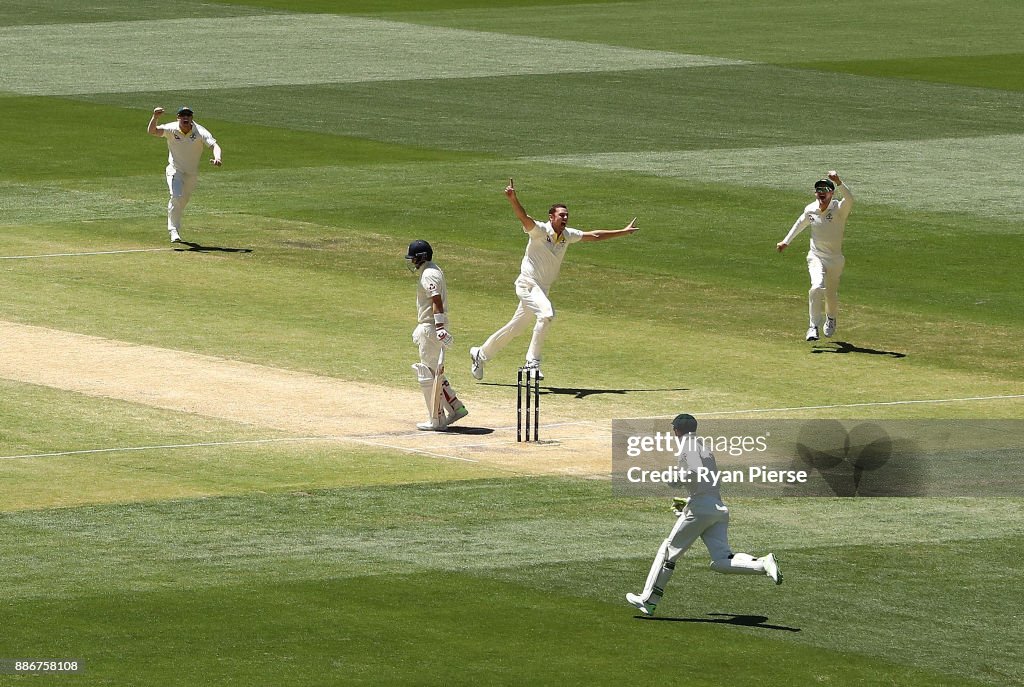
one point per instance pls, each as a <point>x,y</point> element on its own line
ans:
<point>660,109</point>
<point>423,628</point>
<point>1001,71</point>
<point>369,581</point>
<point>764,32</point>
<point>27,12</point>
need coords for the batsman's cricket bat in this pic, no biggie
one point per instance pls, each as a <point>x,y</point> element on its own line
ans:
<point>438,383</point>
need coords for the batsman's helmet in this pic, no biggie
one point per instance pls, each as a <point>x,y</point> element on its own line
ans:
<point>824,186</point>
<point>419,252</point>
<point>684,423</point>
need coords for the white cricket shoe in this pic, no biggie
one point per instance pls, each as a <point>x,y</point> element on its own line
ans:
<point>830,326</point>
<point>771,568</point>
<point>534,365</point>
<point>640,604</point>
<point>478,363</point>
<point>457,414</point>
<point>432,425</point>
<point>812,333</point>
<point>174,236</point>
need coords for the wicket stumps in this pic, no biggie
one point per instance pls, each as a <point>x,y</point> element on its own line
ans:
<point>527,386</point>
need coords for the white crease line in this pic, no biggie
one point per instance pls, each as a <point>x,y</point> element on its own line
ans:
<point>207,444</point>
<point>864,405</point>
<point>72,255</point>
<point>120,449</point>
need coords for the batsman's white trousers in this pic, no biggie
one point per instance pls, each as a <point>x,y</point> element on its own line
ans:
<point>181,186</point>
<point>425,337</point>
<point>823,297</point>
<point>533,303</point>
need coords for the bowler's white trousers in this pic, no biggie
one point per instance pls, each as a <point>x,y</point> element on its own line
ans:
<point>533,302</point>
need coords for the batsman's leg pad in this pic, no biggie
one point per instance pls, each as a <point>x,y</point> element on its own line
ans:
<point>426,379</point>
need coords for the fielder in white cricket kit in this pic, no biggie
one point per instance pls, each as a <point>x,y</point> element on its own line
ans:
<point>186,140</point>
<point>826,217</point>
<point>702,515</point>
<point>548,242</point>
<point>432,337</point>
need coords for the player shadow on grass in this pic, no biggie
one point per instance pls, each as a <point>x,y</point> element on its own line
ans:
<point>197,248</point>
<point>576,392</point>
<point>727,619</point>
<point>846,347</point>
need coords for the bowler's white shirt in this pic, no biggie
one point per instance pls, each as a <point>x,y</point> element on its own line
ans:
<point>185,150</point>
<point>827,226</point>
<point>431,283</point>
<point>545,251</point>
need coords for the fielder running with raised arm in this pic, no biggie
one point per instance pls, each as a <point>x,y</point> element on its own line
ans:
<point>827,219</point>
<point>432,337</point>
<point>185,142</point>
<point>541,264</point>
<point>702,515</point>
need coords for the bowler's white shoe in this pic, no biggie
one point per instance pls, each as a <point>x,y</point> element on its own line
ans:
<point>812,333</point>
<point>534,365</point>
<point>771,568</point>
<point>478,363</point>
<point>640,605</point>
<point>830,326</point>
<point>174,236</point>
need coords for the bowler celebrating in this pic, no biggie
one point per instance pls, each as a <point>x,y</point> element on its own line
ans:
<point>185,142</point>
<point>827,219</point>
<point>541,264</point>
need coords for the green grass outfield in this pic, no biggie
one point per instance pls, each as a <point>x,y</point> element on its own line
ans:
<point>168,547</point>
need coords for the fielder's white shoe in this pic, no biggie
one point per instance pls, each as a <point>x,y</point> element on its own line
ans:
<point>830,326</point>
<point>812,333</point>
<point>478,363</point>
<point>771,568</point>
<point>457,414</point>
<point>640,605</point>
<point>534,365</point>
<point>174,236</point>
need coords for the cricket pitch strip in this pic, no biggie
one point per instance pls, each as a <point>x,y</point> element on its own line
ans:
<point>295,402</point>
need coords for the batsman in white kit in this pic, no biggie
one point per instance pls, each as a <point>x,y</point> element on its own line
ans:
<point>548,242</point>
<point>432,337</point>
<point>826,217</point>
<point>186,141</point>
<point>704,515</point>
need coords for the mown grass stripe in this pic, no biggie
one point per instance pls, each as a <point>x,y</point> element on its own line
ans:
<point>978,175</point>
<point>289,49</point>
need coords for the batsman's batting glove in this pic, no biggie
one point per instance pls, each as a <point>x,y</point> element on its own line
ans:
<point>444,337</point>
<point>678,504</point>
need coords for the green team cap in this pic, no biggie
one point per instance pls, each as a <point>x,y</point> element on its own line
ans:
<point>824,185</point>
